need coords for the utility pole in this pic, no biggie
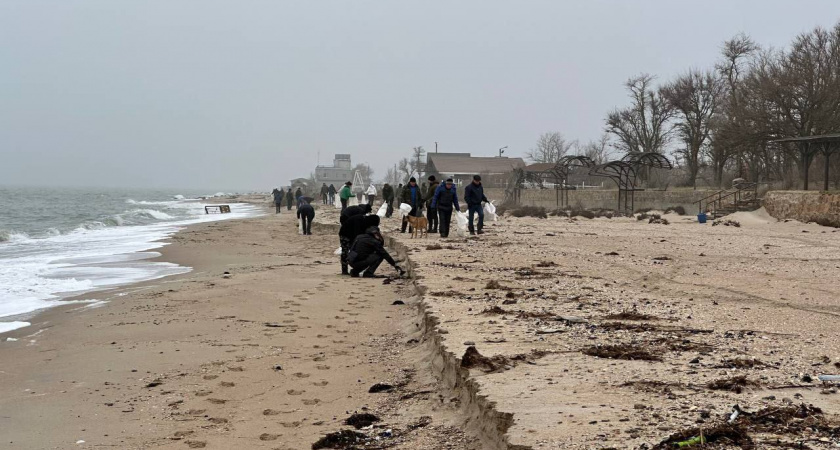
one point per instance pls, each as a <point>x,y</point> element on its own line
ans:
<point>502,151</point>
<point>435,146</point>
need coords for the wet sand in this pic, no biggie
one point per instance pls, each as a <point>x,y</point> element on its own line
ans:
<point>275,354</point>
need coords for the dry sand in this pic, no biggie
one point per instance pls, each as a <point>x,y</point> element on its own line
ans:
<point>716,297</point>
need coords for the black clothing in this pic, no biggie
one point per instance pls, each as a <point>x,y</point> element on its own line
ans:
<point>345,249</point>
<point>306,213</point>
<point>356,225</point>
<point>445,216</point>
<point>350,211</point>
<point>367,245</point>
<point>343,204</point>
<point>369,265</point>
<point>446,199</point>
<point>474,194</point>
<point>289,199</point>
<point>432,217</point>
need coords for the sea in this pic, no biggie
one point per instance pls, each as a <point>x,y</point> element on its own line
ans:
<point>57,243</point>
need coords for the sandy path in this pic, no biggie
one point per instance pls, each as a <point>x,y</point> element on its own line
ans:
<point>274,355</point>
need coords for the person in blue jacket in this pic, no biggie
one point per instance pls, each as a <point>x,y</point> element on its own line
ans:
<point>473,196</point>
<point>446,197</point>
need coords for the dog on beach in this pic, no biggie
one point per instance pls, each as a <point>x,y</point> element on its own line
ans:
<point>418,225</point>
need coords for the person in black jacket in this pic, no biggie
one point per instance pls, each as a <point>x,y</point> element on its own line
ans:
<point>306,213</point>
<point>473,196</point>
<point>325,193</point>
<point>367,253</point>
<point>446,197</point>
<point>352,227</point>
<point>332,191</point>
<point>355,210</point>
<point>289,198</point>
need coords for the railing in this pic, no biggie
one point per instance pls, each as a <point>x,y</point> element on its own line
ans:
<point>738,193</point>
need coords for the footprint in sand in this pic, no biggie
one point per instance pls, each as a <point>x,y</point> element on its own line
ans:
<point>269,437</point>
<point>196,444</point>
<point>217,420</point>
<point>301,375</point>
<point>203,393</point>
<point>236,369</point>
<point>318,358</point>
<point>294,392</point>
<point>227,384</point>
<point>321,383</point>
<point>182,434</point>
<point>210,377</point>
<point>310,402</point>
<point>290,424</point>
<point>289,320</point>
<point>195,412</point>
<point>217,401</point>
<point>270,412</point>
<point>322,367</point>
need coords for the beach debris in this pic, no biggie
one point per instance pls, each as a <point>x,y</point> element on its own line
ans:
<point>631,315</point>
<point>361,420</point>
<point>469,343</point>
<point>696,440</point>
<point>737,412</point>
<point>277,367</point>
<point>154,383</point>
<point>727,223</point>
<point>398,302</point>
<point>621,351</point>
<point>380,387</point>
<point>226,275</point>
<point>829,378</point>
<point>549,331</point>
<point>734,384</point>
<point>740,363</point>
<point>273,325</point>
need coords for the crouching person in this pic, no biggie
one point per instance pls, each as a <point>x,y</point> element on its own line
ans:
<point>367,253</point>
<point>306,214</point>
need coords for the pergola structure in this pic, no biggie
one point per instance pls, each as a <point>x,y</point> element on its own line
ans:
<point>557,174</point>
<point>625,171</point>
<point>809,146</point>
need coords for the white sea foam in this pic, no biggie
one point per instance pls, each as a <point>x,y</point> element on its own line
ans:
<point>9,326</point>
<point>37,273</point>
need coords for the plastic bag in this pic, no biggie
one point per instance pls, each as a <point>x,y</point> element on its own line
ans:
<point>382,210</point>
<point>490,212</point>
<point>337,202</point>
<point>461,223</point>
<point>405,209</point>
<point>337,251</point>
<point>300,226</point>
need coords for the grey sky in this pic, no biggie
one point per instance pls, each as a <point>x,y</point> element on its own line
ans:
<point>244,94</point>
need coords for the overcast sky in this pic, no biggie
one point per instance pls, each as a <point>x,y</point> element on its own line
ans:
<point>243,95</point>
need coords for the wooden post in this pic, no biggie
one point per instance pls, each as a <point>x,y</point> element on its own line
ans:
<point>827,160</point>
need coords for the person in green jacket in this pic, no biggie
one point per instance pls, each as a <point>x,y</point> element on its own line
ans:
<point>388,196</point>
<point>344,194</point>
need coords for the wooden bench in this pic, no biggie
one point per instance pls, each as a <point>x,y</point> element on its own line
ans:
<point>217,209</point>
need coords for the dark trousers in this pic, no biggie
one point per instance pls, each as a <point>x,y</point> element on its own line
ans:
<point>331,198</point>
<point>306,219</point>
<point>445,216</point>
<point>279,207</point>
<point>345,249</point>
<point>343,204</point>
<point>432,217</point>
<point>324,198</point>
<point>415,211</point>
<point>390,210</point>
<point>369,264</point>
<point>289,205</point>
<point>370,199</point>
<point>480,211</point>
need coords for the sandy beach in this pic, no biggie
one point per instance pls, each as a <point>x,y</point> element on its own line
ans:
<point>543,333</point>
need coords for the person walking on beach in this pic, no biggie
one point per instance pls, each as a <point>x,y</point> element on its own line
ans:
<point>412,195</point>
<point>446,197</point>
<point>345,195</point>
<point>371,193</point>
<point>368,252</point>
<point>278,199</point>
<point>324,193</point>
<point>306,214</point>
<point>350,229</point>
<point>332,193</point>
<point>388,197</point>
<point>473,196</point>
<point>289,199</point>
<point>431,212</point>
<point>298,195</point>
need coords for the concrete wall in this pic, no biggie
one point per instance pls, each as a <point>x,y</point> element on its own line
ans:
<point>604,198</point>
<point>804,206</point>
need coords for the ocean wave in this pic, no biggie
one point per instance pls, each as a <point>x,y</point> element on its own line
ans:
<point>12,236</point>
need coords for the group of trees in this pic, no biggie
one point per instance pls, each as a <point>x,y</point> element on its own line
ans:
<point>724,119</point>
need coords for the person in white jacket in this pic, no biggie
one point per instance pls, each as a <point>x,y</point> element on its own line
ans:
<point>371,193</point>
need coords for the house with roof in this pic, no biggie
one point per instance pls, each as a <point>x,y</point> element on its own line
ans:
<point>494,170</point>
<point>340,172</point>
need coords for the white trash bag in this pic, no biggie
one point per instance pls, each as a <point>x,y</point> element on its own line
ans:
<point>461,223</point>
<point>405,209</point>
<point>490,212</point>
<point>300,226</point>
<point>382,210</point>
<point>337,251</point>
<point>337,202</point>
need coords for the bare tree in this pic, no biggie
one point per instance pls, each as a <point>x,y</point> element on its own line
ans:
<point>550,148</point>
<point>598,151</point>
<point>392,176</point>
<point>642,126</point>
<point>694,98</point>
<point>418,163</point>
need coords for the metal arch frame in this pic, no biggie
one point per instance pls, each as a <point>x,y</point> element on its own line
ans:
<point>561,171</point>
<point>625,171</point>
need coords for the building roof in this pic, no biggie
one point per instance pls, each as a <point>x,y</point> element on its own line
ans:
<point>540,167</point>
<point>464,163</point>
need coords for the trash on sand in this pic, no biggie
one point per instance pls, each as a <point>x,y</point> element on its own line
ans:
<point>829,378</point>
<point>696,440</point>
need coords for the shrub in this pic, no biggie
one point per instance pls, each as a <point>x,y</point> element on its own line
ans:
<point>582,213</point>
<point>679,210</point>
<point>530,211</point>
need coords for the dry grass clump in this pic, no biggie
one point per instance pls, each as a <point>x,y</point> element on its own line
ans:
<point>529,211</point>
<point>727,222</point>
<point>679,210</point>
<point>621,351</point>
